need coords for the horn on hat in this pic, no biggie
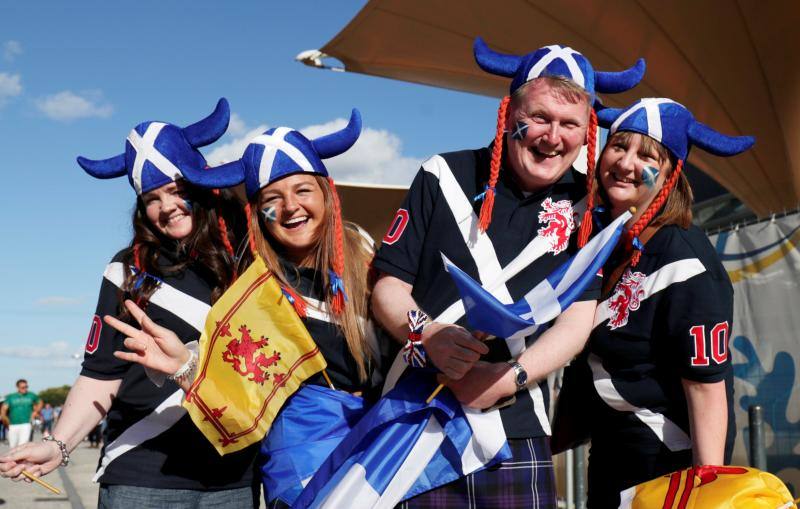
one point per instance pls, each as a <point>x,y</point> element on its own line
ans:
<point>716,143</point>
<point>104,168</point>
<point>217,177</point>
<point>607,115</point>
<point>336,143</point>
<point>493,62</point>
<point>211,128</point>
<point>615,82</point>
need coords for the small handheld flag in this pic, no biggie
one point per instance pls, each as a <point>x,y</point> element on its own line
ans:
<point>546,300</point>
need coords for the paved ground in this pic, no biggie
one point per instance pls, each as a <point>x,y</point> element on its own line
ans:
<point>75,482</point>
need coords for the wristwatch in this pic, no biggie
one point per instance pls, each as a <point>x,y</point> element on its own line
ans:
<point>520,375</point>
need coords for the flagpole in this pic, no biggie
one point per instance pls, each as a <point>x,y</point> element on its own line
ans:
<point>328,379</point>
<point>435,393</point>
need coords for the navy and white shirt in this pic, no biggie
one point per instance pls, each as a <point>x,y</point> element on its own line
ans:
<point>666,319</point>
<point>342,367</point>
<point>179,457</point>
<point>440,215</point>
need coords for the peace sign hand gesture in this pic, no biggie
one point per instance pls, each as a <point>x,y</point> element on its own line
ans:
<point>154,346</point>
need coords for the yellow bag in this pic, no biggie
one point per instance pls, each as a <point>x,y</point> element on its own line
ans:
<point>710,487</point>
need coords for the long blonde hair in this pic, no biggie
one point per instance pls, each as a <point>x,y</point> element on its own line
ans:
<point>357,259</point>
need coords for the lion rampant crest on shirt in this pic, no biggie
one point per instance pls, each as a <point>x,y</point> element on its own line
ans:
<point>560,221</point>
<point>627,297</point>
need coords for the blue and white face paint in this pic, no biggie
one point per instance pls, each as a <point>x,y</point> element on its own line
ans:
<point>189,204</point>
<point>650,176</point>
<point>520,130</point>
<point>270,214</point>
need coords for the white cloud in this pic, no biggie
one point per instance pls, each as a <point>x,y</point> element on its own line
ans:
<point>234,149</point>
<point>10,86</point>
<point>376,158</point>
<point>58,301</point>
<point>11,49</point>
<point>67,105</point>
<point>55,350</point>
<point>237,126</point>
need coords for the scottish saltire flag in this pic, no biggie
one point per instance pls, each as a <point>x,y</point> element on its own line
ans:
<point>546,300</point>
<point>402,447</point>
<point>307,430</point>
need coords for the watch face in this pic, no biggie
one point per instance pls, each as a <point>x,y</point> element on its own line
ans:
<point>522,377</point>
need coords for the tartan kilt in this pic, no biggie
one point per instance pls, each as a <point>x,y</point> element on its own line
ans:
<point>526,481</point>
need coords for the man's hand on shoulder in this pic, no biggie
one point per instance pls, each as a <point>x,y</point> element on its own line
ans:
<point>452,349</point>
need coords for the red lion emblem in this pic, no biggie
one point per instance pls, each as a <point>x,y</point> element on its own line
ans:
<point>248,351</point>
<point>560,223</point>
<point>627,297</point>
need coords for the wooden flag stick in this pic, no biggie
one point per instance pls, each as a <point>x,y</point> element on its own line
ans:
<point>435,392</point>
<point>328,379</point>
<point>41,482</point>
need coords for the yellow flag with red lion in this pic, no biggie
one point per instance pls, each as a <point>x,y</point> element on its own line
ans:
<point>710,487</point>
<point>254,353</point>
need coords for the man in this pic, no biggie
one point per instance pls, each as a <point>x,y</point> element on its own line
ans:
<point>541,129</point>
<point>17,411</point>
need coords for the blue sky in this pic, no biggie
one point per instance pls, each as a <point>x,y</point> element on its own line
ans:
<point>76,77</point>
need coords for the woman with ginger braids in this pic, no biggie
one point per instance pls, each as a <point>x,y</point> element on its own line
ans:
<point>295,226</point>
<point>657,369</point>
<point>179,262</point>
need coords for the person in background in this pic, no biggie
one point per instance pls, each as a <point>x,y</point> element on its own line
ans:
<point>48,416</point>
<point>18,411</point>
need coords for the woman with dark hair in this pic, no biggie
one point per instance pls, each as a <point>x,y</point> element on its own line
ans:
<point>656,370</point>
<point>179,262</point>
<point>322,264</point>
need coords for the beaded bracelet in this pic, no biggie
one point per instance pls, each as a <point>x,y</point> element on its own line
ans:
<point>186,371</point>
<point>61,446</point>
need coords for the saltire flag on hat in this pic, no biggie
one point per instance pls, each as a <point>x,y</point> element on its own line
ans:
<point>710,487</point>
<point>254,353</point>
<point>402,447</point>
<point>547,299</point>
<point>311,425</point>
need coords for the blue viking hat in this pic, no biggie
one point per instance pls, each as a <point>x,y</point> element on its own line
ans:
<point>157,153</point>
<point>556,60</point>
<point>672,125</point>
<point>280,152</point>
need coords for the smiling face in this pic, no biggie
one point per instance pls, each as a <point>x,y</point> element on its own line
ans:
<point>632,170</point>
<point>168,211</point>
<point>293,213</point>
<point>556,129</point>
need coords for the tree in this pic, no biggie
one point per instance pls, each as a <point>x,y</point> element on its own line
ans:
<point>54,395</point>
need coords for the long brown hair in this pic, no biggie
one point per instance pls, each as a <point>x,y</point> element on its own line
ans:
<point>217,223</point>
<point>357,258</point>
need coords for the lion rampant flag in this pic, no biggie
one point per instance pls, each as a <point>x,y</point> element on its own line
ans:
<point>710,487</point>
<point>254,353</point>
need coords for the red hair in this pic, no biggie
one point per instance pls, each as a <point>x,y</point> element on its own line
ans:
<point>339,297</point>
<point>591,164</point>
<point>494,168</point>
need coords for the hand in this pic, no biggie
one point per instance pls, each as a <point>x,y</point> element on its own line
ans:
<point>38,458</point>
<point>153,347</point>
<point>483,385</point>
<point>451,348</point>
